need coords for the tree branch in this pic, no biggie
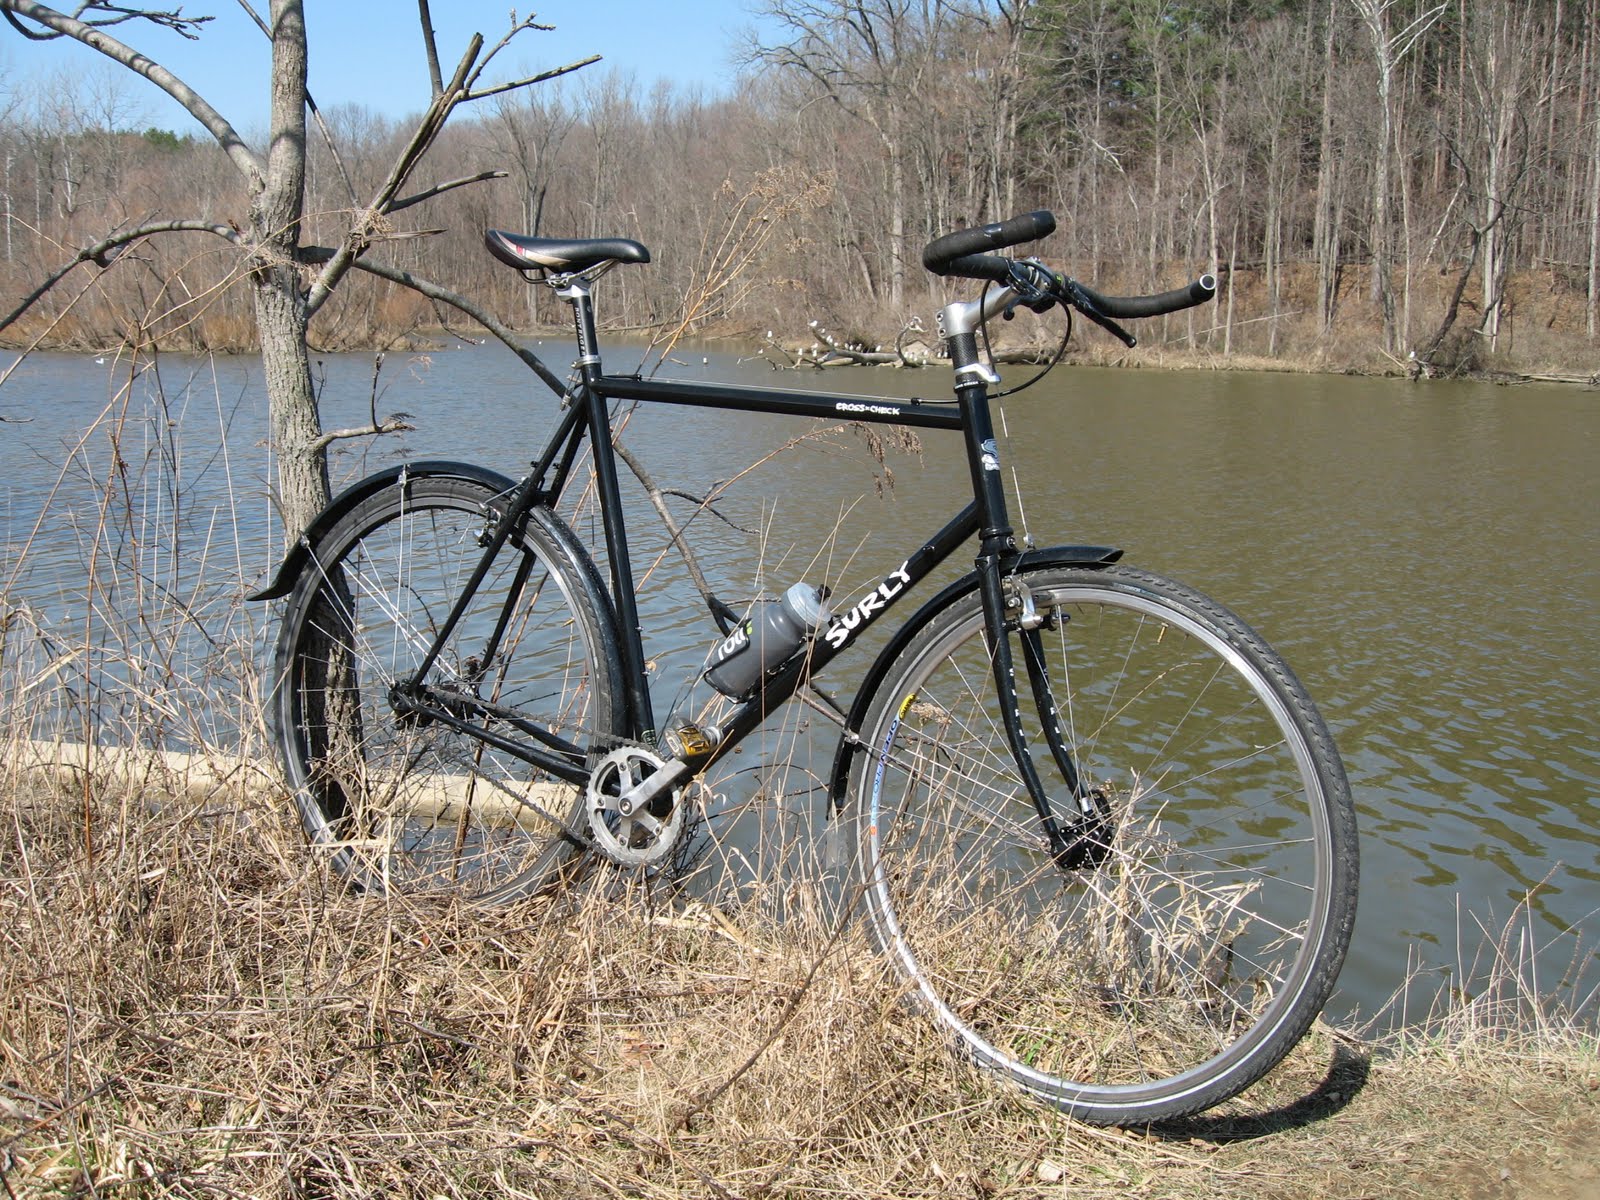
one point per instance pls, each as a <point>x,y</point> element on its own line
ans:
<point>108,249</point>
<point>440,188</point>
<point>393,424</point>
<point>674,530</point>
<point>430,45</point>
<point>181,25</point>
<point>360,236</point>
<point>445,99</point>
<point>791,1005</point>
<point>433,291</point>
<point>553,73</point>
<point>245,159</point>
<point>517,27</point>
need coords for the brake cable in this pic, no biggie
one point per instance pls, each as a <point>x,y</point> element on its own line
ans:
<point>1036,298</point>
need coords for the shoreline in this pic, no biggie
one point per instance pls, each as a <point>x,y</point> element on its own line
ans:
<point>1146,357</point>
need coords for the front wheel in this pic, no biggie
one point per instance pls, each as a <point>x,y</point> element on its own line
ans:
<point>403,800</point>
<point>1194,931</point>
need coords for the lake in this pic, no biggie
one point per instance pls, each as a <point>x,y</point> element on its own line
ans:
<point>1424,555</point>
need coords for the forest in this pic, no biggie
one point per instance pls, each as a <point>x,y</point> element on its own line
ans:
<point>1380,184</point>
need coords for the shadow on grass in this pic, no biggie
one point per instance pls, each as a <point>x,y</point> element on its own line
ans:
<point>1347,1074</point>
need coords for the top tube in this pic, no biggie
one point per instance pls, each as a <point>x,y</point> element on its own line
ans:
<point>834,405</point>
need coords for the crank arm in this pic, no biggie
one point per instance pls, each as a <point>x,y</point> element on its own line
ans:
<point>646,790</point>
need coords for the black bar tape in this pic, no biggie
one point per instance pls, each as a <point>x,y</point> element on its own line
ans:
<point>943,254</point>
<point>979,266</point>
<point>1129,307</point>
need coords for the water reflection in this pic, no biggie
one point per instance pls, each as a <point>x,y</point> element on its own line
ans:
<point>1422,554</point>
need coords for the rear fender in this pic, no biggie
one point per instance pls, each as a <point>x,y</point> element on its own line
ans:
<point>850,743</point>
<point>299,555</point>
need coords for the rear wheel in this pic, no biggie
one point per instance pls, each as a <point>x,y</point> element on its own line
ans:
<point>1194,932</point>
<point>407,801</point>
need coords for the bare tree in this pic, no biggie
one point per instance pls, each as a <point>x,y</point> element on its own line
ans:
<point>1325,237</point>
<point>1085,52</point>
<point>868,58</point>
<point>1505,90</point>
<point>531,129</point>
<point>1592,322</point>
<point>1153,126</point>
<point>1388,50</point>
<point>267,238</point>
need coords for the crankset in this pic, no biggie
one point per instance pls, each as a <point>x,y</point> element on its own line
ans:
<point>631,836</point>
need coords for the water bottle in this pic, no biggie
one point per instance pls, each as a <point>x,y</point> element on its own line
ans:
<point>766,639</point>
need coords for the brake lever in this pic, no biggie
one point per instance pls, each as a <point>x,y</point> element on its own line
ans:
<point>1073,294</point>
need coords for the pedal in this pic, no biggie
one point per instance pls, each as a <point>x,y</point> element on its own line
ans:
<point>688,741</point>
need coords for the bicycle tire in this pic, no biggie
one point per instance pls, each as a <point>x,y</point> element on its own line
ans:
<point>411,805</point>
<point>1192,958</point>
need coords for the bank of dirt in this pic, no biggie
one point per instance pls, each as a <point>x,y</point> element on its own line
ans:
<point>1563,1164</point>
<point>1544,338</point>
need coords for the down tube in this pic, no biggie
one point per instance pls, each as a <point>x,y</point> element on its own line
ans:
<point>845,627</point>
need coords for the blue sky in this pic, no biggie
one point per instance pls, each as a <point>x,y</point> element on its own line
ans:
<point>370,51</point>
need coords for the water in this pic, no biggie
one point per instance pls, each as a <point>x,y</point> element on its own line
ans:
<point>1423,555</point>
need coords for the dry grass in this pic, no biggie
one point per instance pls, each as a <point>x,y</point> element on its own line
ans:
<point>196,1009</point>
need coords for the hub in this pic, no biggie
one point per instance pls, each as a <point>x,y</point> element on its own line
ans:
<point>1086,842</point>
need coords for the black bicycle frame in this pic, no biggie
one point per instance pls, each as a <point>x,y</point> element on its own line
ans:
<point>587,415</point>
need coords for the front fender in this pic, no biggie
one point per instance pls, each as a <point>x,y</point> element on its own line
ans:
<point>283,580</point>
<point>850,741</point>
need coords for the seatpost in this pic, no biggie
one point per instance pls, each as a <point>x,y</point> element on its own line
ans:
<point>576,292</point>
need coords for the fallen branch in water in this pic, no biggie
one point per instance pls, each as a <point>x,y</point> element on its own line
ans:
<point>910,350</point>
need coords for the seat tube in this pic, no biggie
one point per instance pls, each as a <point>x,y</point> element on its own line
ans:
<point>577,293</point>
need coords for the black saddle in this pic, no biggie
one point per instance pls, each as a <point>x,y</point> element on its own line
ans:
<point>562,255</point>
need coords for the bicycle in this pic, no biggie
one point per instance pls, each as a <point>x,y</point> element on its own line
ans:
<point>1098,825</point>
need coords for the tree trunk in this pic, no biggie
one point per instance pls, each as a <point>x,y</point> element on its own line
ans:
<point>280,298</point>
<point>897,227</point>
<point>303,489</point>
<point>1402,335</point>
<point>1594,198</point>
<point>1383,52</point>
<point>1494,182</point>
<point>1325,236</point>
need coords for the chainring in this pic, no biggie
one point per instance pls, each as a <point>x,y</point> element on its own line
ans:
<point>639,838</point>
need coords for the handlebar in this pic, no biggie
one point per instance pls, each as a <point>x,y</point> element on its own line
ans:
<point>1133,307</point>
<point>965,254</point>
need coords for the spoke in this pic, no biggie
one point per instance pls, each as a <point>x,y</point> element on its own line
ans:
<point>1020,835</point>
<point>454,810</point>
